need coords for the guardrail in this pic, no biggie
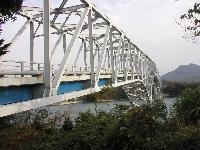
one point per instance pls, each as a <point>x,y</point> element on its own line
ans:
<point>11,67</point>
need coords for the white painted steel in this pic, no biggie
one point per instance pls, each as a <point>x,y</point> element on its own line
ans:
<point>47,59</point>
<point>122,62</point>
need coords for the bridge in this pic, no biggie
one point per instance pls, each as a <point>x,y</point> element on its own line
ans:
<point>89,52</point>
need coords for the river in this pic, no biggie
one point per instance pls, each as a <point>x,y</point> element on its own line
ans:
<point>74,109</point>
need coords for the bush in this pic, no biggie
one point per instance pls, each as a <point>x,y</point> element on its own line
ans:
<point>107,93</point>
<point>187,107</point>
<point>123,128</point>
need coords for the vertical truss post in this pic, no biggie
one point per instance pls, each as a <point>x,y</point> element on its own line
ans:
<point>118,58</point>
<point>64,43</point>
<point>85,53</point>
<point>142,65</point>
<point>47,62</point>
<point>96,50</point>
<point>137,63</point>
<point>31,44</point>
<point>115,64</point>
<point>120,62</point>
<point>142,72</point>
<point>104,63</point>
<point>144,80</point>
<point>132,64</point>
<point>79,52</point>
<point>109,58</point>
<point>129,56</point>
<point>146,72</point>
<point>151,90</point>
<point>124,62</point>
<point>101,55</point>
<point>112,56</point>
<point>98,53</point>
<point>56,44</point>
<point>91,42</point>
<point>148,77</point>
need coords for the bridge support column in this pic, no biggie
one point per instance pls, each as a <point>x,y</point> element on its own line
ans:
<point>129,58</point>
<point>145,71</point>
<point>47,61</point>
<point>142,66</point>
<point>132,64</point>
<point>137,63</point>
<point>118,58</point>
<point>31,44</point>
<point>64,43</point>
<point>124,62</point>
<point>85,53</point>
<point>112,57</point>
<point>91,42</point>
<point>151,90</point>
<point>100,59</point>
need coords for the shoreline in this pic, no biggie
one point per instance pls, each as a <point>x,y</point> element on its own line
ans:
<point>83,101</point>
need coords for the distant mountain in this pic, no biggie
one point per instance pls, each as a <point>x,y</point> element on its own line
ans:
<point>185,73</point>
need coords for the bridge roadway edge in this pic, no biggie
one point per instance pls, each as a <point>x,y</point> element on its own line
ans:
<point>132,58</point>
<point>14,108</point>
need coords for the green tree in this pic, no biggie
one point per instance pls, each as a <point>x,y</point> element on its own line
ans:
<point>191,22</point>
<point>187,107</point>
<point>8,10</point>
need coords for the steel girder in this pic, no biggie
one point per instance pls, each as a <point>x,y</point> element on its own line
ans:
<point>103,44</point>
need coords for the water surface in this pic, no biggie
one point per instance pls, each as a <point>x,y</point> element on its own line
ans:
<point>75,108</point>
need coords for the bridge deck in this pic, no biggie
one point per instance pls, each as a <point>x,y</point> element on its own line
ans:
<point>94,52</point>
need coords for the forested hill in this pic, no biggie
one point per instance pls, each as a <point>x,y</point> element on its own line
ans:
<point>185,73</point>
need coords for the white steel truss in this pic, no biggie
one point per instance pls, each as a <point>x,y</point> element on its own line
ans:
<point>105,48</point>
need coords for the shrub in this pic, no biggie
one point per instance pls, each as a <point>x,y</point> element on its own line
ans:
<point>187,107</point>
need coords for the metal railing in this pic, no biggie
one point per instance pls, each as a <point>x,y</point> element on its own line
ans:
<point>11,67</point>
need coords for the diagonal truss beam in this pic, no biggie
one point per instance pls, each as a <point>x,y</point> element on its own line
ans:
<point>60,72</point>
<point>59,10</point>
<point>19,33</point>
<point>115,42</point>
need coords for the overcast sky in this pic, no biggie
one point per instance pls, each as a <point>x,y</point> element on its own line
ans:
<point>151,26</point>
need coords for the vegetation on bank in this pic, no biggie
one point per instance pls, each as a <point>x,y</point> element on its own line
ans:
<point>173,88</point>
<point>123,128</point>
<point>107,93</point>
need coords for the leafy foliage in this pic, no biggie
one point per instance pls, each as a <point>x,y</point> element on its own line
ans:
<point>123,128</point>
<point>8,9</point>
<point>108,93</point>
<point>191,22</point>
<point>3,47</point>
<point>173,89</point>
<point>187,106</point>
